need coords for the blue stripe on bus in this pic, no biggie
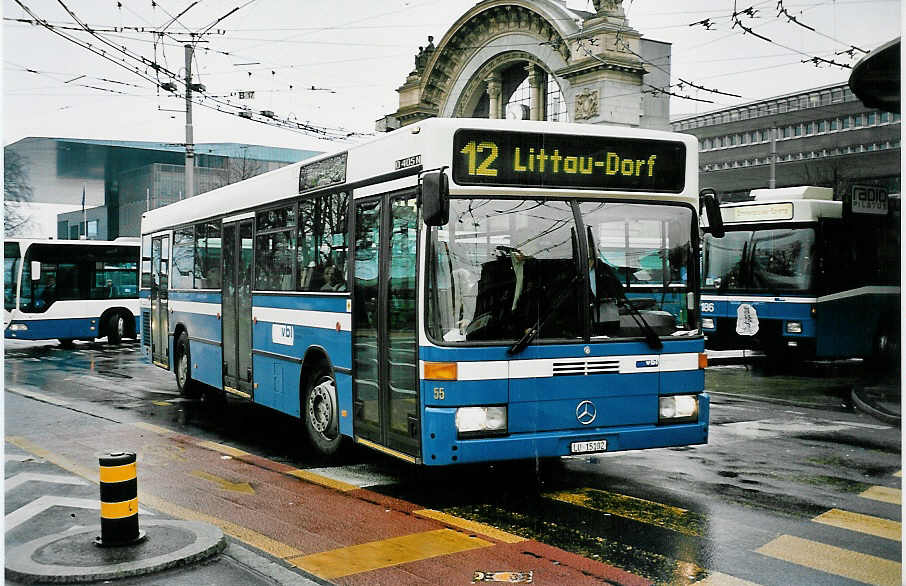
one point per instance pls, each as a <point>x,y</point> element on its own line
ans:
<point>332,303</point>
<point>465,392</point>
<point>207,361</point>
<point>682,381</point>
<point>198,325</point>
<point>197,296</point>
<point>49,329</point>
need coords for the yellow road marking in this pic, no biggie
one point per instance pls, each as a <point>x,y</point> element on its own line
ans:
<point>630,507</point>
<point>162,403</point>
<point>387,552</point>
<point>833,560</point>
<point>87,473</point>
<point>470,526</point>
<point>884,494</point>
<point>243,534</point>
<point>718,579</point>
<point>243,487</point>
<point>222,448</point>
<point>862,523</point>
<point>898,474</point>
<point>322,480</point>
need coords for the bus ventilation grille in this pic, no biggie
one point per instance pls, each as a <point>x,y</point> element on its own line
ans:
<point>586,367</point>
<point>146,328</point>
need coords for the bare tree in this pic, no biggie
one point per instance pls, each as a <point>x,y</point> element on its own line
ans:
<point>239,169</point>
<point>17,191</point>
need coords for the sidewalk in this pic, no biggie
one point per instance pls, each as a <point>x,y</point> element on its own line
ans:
<point>52,518</point>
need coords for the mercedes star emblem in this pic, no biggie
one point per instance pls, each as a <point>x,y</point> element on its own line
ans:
<point>586,412</point>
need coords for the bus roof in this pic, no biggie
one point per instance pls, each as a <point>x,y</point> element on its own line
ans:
<point>428,143</point>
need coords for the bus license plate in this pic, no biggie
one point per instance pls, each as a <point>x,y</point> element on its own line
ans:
<point>588,447</point>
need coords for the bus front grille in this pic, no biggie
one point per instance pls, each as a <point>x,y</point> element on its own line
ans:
<point>586,367</point>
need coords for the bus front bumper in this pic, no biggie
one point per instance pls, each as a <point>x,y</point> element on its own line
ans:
<point>444,448</point>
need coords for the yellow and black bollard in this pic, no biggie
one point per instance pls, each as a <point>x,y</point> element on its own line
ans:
<point>119,500</point>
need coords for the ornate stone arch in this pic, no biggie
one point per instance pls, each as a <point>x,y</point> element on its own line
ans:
<point>497,32</point>
<point>594,57</point>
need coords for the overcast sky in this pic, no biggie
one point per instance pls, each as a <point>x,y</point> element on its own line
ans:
<point>355,53</point>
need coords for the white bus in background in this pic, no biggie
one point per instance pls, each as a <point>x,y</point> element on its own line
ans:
<point>70,289</point>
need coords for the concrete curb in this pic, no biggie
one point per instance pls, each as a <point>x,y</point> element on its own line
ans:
<point>170,544</point>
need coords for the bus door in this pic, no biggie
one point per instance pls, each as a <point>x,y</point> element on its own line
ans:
<point>237,308</point>
<point>160,319</point>
<point>384,342</point>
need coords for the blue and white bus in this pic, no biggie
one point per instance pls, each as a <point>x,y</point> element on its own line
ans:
<point>70,289</point>
<point>799,274</point>
<point>455,291</point>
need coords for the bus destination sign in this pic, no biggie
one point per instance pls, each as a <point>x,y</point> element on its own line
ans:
<point>500,158</point>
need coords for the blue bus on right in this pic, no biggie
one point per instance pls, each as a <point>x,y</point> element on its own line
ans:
<point>801,275</point>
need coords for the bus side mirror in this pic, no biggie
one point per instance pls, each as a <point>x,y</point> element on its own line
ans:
<point>708,199</point>
<point>435,198</point>
<point>35,270</point>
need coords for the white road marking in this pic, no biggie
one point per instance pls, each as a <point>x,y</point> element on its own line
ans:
<point>41,504</point>
<point>20,479</point>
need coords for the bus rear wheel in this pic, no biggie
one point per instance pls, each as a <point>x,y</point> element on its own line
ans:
<point>187,386</point>
<point>320,414</point>
<point>116,328</point>
<point>66,343</point>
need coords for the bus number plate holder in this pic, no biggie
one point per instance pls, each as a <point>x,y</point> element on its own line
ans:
<point>588,447</point>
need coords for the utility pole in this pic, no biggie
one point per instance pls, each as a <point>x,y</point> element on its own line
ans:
<point>190,146</point>
<point>772,182</point>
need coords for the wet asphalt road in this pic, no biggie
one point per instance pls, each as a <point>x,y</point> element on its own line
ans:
<point>805,491</point>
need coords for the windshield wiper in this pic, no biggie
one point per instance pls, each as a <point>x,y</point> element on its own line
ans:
<point>532,332</point>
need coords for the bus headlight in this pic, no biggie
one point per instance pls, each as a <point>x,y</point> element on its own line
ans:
<point>18,328</point>
<point>708,323</point>
<point>794,327</point>
<point>481,420</point>
<point>678,408</point>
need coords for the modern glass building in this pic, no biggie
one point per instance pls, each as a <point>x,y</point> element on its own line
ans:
<point>122,179</point>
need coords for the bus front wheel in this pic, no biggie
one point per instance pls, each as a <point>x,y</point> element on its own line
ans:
<point>320,414</point>
<point>184,382</point>
<point>66,343</point>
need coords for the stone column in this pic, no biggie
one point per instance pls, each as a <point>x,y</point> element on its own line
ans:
<point>495,87</point>
<point>537,93</point>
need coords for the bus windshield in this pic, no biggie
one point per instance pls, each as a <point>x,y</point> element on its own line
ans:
<point>501,267</point>
<point>10,273</point>
<point>778,259</point>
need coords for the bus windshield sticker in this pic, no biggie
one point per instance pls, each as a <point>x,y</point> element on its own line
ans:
<point>282,334</point>
<point>323,173</point>
<point>746,320</point>
<point>500,158</point>
<point>758,213</point>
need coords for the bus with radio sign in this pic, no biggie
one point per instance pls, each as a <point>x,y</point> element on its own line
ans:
<point>800,274</point>
<point>455,291</point>
<point>70,289</point>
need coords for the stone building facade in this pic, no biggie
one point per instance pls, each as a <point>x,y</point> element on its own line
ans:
<point>539,60</point>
